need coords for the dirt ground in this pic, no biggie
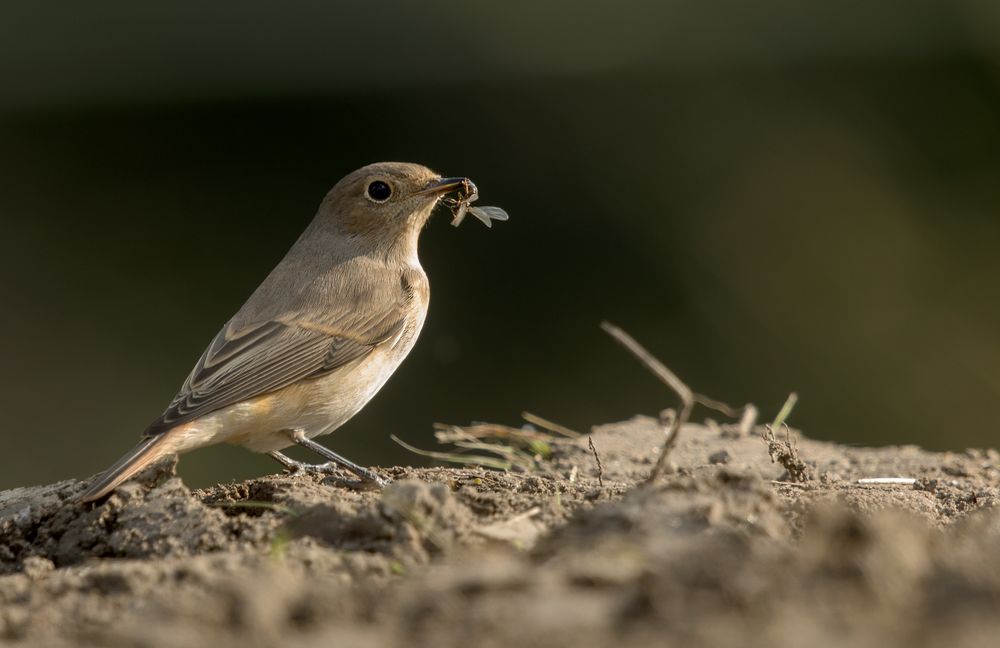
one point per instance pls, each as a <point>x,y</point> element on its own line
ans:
<point>728,549</point>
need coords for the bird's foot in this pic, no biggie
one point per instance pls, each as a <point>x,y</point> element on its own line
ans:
<point>293,467</point>
<point>367,478</point>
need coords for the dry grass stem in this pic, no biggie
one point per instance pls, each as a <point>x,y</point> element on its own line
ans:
<point>785,411</point>
<point>491,445</point>
<point>670,380</point>
<point>718,406</point>
<point>454,457</point>
<point>527,438</point>
<point>748,420</point>
<point>549,425</point>
<point>597,458</point>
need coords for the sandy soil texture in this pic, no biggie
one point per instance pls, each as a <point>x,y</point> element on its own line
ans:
<point>726,550</point>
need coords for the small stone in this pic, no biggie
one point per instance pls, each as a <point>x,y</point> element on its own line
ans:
<point>955,470</point>
<point>36,566</point>
<point>720,457</point>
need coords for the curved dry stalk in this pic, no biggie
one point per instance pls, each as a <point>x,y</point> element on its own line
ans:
<point>670,380</point>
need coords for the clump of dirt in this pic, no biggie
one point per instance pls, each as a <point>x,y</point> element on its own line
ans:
<point>725,550</point>
<point>784,453</point>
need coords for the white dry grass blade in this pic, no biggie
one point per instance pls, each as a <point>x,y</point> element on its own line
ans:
<point>888,481</point>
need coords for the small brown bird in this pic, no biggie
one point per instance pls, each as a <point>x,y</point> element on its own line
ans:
<point>315,342</point>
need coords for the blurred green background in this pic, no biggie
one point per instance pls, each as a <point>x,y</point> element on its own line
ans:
<point>772,196</point>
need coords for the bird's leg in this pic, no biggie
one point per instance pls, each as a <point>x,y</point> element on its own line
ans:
<point>293,466</point>
<point>366,475</point>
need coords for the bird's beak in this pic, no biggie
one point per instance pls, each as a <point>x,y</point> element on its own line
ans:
<point>447,185</point>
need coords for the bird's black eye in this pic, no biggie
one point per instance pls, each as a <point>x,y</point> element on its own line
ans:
<point>379,191</point>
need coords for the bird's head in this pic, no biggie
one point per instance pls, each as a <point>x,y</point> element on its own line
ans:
<point>387,203</point>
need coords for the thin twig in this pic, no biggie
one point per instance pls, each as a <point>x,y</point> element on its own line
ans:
<point>597,458</point>
<point>718,406</point>
<point>488,462</point>
<point>670,380</point>
<point>534,419</point>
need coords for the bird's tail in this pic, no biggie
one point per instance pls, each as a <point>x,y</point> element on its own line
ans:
<point>149,450</point>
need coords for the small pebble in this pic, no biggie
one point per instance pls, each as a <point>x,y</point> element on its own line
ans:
<point>36,566</point>
<point>720,457</point>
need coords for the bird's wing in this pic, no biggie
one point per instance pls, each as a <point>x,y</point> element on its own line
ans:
<point>261,358</point>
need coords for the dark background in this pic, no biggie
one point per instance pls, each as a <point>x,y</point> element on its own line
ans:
<point>772,196</point>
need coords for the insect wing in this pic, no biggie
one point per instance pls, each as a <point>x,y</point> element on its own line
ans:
<point>458,212</point>
<point>488,214</point>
